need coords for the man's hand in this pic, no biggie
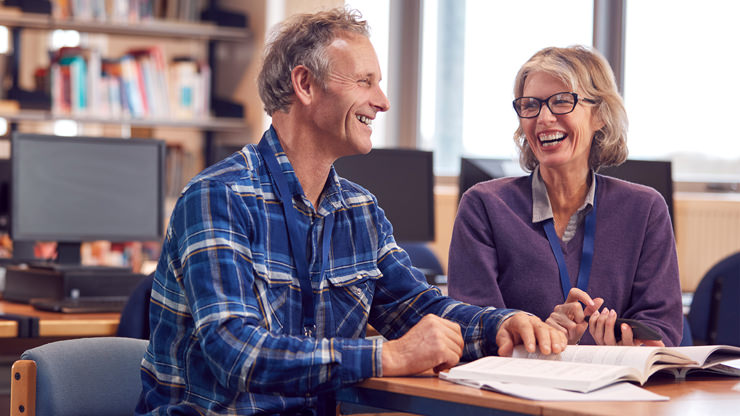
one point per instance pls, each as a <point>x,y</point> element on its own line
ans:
<point>529,330</point>
<point>570,317</point>
<point>433,342</point>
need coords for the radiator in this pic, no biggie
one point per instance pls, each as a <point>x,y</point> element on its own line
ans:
<point>707,230</point>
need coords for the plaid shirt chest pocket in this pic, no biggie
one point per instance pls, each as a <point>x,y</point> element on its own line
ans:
<point>350,294</point>
<point>278,297</point>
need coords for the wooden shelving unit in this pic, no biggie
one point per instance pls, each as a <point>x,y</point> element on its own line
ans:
<point>165,29</point>
<point>210,124</point>
<point>153,27</point>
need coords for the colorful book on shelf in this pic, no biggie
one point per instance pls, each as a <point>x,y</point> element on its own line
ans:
<point>585,368</point>
<point>76,81</point>
<point>153,69</point>
<point>190,87</point>
<point>131,87</point>
<point>113,100</point>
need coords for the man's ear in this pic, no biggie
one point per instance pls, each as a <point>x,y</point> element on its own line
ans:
<point>303,84</point>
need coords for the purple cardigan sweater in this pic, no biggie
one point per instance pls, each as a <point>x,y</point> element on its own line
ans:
<point>498,257</point>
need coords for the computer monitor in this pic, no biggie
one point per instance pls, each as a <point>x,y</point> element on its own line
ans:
<point>474,170</point>
<point>76,189</point>
<point>403,182</point>
<point>657,174</point>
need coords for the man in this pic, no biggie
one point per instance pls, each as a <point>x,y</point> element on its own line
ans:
<point>273,266</point>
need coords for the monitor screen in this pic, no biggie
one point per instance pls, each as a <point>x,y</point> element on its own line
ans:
<point>474,170</point>
<point>403,182</point>
<point>654,173</point>
<point>75,189</point>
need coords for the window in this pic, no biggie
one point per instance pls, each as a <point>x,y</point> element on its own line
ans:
<point>468,70</point>
<point>376,12</point>
<point>681,86</point>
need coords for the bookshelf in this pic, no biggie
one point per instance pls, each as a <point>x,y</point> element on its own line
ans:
<point>189,136</point>
<point>153,27</point>
<point>207,123</point>
<point>138,32</point>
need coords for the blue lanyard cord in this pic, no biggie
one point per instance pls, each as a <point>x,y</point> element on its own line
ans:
<point>297,239</point>
<point>587,256</point>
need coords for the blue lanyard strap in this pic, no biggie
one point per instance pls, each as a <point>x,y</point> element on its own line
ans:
<point>297,239</point>
<point>587,256</point>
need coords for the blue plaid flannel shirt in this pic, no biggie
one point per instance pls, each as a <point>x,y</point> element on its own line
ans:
<point>226,321</point>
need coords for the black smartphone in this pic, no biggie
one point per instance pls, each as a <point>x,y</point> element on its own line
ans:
<point>639,330</point>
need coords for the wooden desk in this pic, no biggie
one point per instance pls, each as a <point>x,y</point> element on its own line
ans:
<point>54,324</point>
<point>432,396</point>
<point>8,329</point>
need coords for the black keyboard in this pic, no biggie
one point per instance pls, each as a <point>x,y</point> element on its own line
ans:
<point>57,267</point>
<point>81,305</point>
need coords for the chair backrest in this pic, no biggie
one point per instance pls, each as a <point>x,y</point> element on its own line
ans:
<point>423,258</point>
<point>78,377</point>
<point>687,340</point>
<point>715,307</point>
<point>134,322</point>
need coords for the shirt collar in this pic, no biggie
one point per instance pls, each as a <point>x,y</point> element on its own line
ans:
<point>330,199</point>
<point>541,207</point>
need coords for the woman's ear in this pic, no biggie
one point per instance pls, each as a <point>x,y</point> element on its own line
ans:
<point>596,120</point>
<point>303,84</point>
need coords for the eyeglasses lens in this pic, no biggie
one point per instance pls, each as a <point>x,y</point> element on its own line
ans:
<point>529,107</point>
<point>561,103</point>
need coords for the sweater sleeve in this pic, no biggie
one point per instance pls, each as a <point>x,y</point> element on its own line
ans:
<point>656,290</point>
<point>473,264</point>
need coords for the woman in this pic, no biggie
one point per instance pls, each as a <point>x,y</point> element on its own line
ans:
<point>564,241</point>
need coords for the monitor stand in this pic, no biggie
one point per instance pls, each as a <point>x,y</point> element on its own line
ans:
<point>23,251</point>
<point>55,281</point>
<point>66,278</point>
<point>68,259</point>
<point>69,253</point>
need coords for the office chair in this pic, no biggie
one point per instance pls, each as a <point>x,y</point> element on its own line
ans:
<point>78,377</point>
<point>687,339</point>
<point>715,307</point>
<point>134,321</point>
<point>423,258</point>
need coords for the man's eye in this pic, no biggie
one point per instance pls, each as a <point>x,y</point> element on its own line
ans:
<point>364,82</point>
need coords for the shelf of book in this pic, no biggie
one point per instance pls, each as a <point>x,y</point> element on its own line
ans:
<point>146,27</point>
<point>205,123</point>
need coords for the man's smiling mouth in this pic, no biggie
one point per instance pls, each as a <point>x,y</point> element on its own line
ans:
<point>365,120</point>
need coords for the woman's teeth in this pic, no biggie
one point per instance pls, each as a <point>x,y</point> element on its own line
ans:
<point>550,139</point>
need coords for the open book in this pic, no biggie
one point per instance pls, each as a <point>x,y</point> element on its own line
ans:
<point>585,368</point>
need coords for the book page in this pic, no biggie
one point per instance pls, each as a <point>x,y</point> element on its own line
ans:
<point>708,355</point>
<point>642,359</point>
<point>563,375</point>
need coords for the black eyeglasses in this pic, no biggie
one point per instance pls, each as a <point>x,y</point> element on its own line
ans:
<point>559,104</point>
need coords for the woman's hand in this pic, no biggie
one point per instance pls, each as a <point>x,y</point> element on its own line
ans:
<point>570,317</point>
<point>601,327</point>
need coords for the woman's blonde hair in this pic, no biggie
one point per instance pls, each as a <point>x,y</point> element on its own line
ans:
<point>587,72</point>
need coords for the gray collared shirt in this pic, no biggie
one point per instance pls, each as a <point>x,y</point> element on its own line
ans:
<point>542,209</point>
